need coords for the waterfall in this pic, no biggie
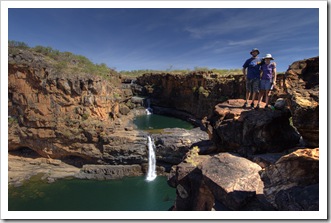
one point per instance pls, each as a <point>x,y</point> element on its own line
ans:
<point>149,110</point>
<point>151,174</point>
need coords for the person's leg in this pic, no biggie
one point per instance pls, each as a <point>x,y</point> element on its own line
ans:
<point>261,93</point>
<point>255,88</point>
<point>248,92</point>
<point>266,98</point>
<point>253,99</point>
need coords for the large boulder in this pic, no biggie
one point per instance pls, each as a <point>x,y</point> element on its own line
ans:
<point>291,184</point>
<point>246,131</point>
<point>222,182</point>
<point>302,86</point>
<point>172,144</point>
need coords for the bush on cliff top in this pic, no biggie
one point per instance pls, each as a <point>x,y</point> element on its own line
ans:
<point>65,62</point>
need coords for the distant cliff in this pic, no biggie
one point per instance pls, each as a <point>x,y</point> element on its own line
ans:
<point>195,93</point>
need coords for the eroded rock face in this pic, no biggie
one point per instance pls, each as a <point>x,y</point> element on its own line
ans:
<point>292,182</point>
<point>194,93</point>
<point>56,114</point>
<point>249,131</point>
<point>302,87</point>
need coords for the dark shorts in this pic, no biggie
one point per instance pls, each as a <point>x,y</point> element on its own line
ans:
<point>253,85</point>
<point>265,85</point>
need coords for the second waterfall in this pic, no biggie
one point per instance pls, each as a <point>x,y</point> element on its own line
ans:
<point>151,174</point>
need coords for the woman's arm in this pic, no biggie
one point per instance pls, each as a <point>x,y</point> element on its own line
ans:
<point>274,74</point>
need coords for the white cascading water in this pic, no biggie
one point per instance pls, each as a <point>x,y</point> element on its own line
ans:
<point>151,174</point>
<point>149,110</point>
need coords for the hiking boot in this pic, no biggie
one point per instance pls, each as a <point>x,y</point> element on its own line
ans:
<point>257,106</point>
<point>266,106</point>
<point>252,106</point>
<point>245,105</point>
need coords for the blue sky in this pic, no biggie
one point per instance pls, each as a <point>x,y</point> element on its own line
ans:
<point>171,38</point>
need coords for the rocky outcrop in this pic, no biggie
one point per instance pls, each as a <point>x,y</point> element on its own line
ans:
<point>247,132</point>
<point>173,144</point>
<point>58,115</point>
<point>291,184</point>
<point>23,168</point>
<point>74,119</point>
<point>302,87</point>
<point>220,182</point>
<point>227,181</point>
<point>109,172</point>
<point>194,93</point>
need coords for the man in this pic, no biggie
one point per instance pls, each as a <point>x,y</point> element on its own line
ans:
<point>251,72</point>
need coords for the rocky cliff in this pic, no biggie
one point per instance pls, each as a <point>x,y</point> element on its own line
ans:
<point>194,93</point>
<point>58,115</point>
<point>262,161</point>
<point>79,124</point>
<point>78,119</point>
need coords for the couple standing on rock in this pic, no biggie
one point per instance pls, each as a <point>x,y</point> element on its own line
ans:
<point>260,79</point>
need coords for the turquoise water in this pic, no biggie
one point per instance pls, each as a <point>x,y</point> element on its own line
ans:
<point>153,121</point>
<point>127,194</point>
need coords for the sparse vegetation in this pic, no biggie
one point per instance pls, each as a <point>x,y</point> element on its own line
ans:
<point>192,155</point>
<point>69,63</point>
<point>65,62</point>
<point>12,120</point>
<point>222,72</point>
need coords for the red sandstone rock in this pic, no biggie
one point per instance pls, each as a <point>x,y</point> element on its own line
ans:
<point>228,179</point>
<point>250,131</point>
<point>290,176</point>
<point>302,87</point>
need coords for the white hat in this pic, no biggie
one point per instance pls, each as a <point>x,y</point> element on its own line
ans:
<point>268,56</point>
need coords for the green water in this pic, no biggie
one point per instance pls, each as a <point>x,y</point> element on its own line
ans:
<point>153,121</point>
<point>127,194</point>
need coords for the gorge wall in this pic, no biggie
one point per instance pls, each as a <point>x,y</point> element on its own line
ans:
<point>81,120</point>
<point>242,160</point>
<point>194,93</point>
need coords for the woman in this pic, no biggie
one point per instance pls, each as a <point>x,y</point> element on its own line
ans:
<point>268,79</point>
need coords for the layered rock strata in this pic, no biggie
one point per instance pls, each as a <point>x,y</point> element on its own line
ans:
<point>194,93</point>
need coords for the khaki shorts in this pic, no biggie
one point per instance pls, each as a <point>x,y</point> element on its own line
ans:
<point>253,85</point>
